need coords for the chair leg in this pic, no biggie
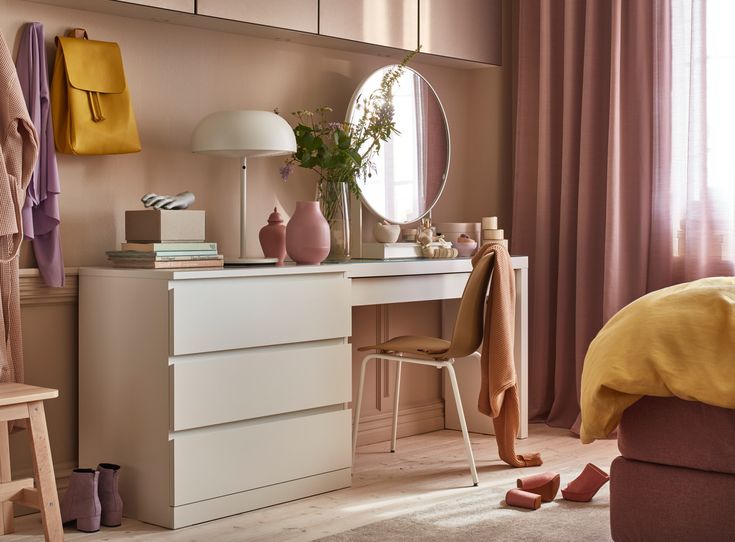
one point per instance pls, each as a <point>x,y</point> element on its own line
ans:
<point>48,498</point>
<point>463,423</point>
<point>358,404</point>
<point>396,396</point>
<point>6,514</point>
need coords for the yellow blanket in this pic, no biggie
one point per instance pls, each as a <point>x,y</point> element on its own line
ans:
<point>679,341</point>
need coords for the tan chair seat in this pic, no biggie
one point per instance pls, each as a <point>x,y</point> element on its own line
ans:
<point>417,345</point>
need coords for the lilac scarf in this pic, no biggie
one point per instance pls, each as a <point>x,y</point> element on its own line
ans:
<point>41,215</point>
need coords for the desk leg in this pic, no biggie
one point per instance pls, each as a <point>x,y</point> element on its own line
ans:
<point>520,351</point>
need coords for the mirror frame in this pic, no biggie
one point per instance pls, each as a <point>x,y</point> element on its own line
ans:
<point>350,110</point>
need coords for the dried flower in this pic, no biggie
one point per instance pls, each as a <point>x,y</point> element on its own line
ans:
<point>285,170</point>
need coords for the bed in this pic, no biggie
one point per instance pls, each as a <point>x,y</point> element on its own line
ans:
<point>662,370</point>
<point>675,477</point>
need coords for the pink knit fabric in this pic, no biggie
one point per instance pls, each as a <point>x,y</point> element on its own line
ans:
<point>498,387</point>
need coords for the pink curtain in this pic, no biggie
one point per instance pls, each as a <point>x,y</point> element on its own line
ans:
<point>612,193</point>
<point>583,175</point>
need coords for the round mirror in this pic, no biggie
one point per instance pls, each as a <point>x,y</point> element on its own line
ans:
<point>411,167</point>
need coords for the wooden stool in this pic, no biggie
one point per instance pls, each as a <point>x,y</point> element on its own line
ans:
<point>19,402</point>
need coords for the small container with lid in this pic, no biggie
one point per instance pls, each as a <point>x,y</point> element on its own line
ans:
<point>273,237</point>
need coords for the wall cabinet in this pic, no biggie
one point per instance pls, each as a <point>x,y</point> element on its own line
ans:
<point>460,33</point>
<point>392,23</point>
<point>298,15</point>
<point>187,6</point>
<point>466,29</point>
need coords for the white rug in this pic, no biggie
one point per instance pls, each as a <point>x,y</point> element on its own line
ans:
<point>483,515</point>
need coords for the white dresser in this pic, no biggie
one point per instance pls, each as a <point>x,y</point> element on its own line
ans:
<point>217,393</point>
<point>222,391</point>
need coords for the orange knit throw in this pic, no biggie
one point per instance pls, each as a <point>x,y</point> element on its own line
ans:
<point>498,389</point>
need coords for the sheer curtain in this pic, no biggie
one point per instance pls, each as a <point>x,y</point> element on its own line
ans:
<point>697,189</point>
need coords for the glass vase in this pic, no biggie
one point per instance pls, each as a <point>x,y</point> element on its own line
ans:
<point>334,201</point>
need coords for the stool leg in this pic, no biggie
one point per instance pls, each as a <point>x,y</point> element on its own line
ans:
<point>6,514</point>
<point>44,469</point>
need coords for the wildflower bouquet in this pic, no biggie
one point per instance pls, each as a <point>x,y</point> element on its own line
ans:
<point>342,152</point>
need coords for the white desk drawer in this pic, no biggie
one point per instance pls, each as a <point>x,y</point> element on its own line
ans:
<point>221,461</point>
<point>246,384</point>
<point>232,313</point>
<point>407,288</point>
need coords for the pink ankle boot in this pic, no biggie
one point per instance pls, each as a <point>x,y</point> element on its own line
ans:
<point>112,505</point>
<point>80,501</point>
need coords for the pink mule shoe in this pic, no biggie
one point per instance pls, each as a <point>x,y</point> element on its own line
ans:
<point>584,486</point>
<point>523,499</point>
<point>545,484</point>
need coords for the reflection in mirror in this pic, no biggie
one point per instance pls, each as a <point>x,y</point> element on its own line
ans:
<point>411,167</point>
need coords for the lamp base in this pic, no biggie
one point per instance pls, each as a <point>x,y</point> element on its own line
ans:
<point>251,261</point>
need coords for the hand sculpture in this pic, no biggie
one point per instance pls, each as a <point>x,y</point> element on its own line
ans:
<point>179,201</point>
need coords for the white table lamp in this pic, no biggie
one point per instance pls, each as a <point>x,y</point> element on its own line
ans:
<point>244,134</point>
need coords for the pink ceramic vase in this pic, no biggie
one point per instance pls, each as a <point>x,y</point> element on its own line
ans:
<point>273,237</point>
<point>307,234</point>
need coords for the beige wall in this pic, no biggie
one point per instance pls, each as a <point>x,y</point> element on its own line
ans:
<point>177,75</point>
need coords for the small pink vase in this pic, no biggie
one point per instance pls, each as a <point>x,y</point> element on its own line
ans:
<point>273,237</point>
<point>307,234</point>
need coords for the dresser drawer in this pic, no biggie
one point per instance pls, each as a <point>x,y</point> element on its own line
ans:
<point>243,384</point>
<point>212,462</point>
<point>231,313</point>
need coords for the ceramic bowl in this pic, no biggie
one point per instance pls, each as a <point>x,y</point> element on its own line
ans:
<point>386,233</point>
<point>465,249</point>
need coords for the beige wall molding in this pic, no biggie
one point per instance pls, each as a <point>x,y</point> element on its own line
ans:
<point>33,291</point>
<point>411,421</point>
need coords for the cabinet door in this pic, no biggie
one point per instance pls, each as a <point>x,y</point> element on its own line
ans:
<point>175,5</point>
<point>298,15</point>
<point>466,29</point>
<point>393,23</point>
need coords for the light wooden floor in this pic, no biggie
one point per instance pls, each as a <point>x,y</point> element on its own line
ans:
<point>426,468</point>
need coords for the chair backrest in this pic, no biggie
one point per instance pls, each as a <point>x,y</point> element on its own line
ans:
<point>469,327</point>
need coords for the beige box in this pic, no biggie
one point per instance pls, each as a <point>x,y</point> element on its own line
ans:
<point>489,222</point>
<point>488,235</point>
<point>155,226</point>
<point>452,230</point>
<point>503,242</point>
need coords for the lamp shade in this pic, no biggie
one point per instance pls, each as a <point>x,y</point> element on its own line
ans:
<point>244,134</point>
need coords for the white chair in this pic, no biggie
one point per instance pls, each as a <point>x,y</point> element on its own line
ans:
<point>466,339</point>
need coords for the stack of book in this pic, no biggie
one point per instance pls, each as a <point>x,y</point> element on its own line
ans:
<point>166,255</point>
<point>165,239</point>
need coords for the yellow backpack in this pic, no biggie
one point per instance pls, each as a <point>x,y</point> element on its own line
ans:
<point>90,102</point>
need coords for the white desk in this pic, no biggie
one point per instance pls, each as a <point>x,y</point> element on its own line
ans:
<point>380,282</point>
<point>221,391</point>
